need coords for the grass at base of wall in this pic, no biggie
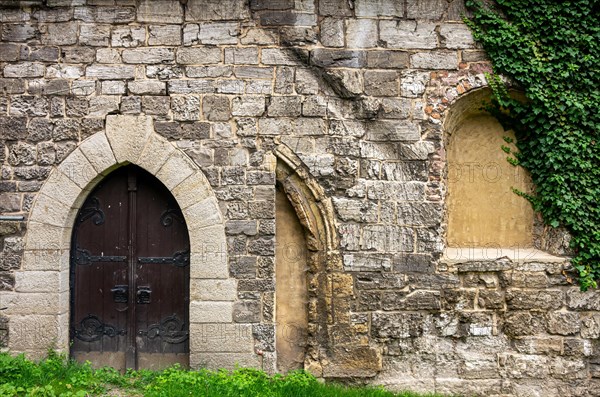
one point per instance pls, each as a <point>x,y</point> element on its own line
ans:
<point>57,376</point>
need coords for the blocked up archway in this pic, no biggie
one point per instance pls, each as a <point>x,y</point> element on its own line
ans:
<point>483,211</point>
<point>333,348</point>
<point>39,308</point>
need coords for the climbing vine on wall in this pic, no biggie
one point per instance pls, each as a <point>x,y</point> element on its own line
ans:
<point>551,50</point>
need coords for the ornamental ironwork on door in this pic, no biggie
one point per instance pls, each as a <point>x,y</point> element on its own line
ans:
<point>130,275</point>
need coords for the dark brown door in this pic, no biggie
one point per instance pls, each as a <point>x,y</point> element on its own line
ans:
<point>130,275</point>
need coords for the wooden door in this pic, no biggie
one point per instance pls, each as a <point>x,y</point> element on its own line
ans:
<point>130,275</point>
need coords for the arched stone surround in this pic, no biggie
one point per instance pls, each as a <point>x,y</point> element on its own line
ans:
<point>334,348</point>
<point>39,308</point>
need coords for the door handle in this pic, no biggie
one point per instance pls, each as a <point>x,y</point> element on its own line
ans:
<point>120,293</point>
<point>143,295</point>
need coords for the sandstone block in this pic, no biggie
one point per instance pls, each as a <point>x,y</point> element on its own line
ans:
<point>213,290</point>
<point>221,337</point>
<point>210,312</point>
<point>561,323</point>
<point>534,299</point>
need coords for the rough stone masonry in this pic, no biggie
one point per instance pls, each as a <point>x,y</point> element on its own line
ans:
<point>343,103</point>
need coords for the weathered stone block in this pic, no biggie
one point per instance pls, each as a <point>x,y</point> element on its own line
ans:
<point>332,32</point>
<point>339,8</point>
<point>426,9</point>
<point>219,337</point>
<point>384,238</point>
<point>148,55</point>
<point>456,36</point>
<point>13,128</point>
<point>387,59</point>
<point>191,86</point>
<point>185,108</point>
<point>533,299</point>
<point>248,106</point>
<point>60,34</point>
<point>376,8</point>
<point>434,60</point>
<point>147,87</point>
<point>361,33</point>
<point>408,34</point>
<point>251,72</point>
<point>9,52</point>
<point>213,290</point>
<point>561,323</point>
<point>28,105</point>
<point>578,300</point>
<point>282,106</point>
<point>19,33</point>
<point>278,56</point>
<point>128,36</point>
<point>379,83</point>
<point>337,58</point>
<point>241,56</point>
<point>168,35</point>
<point>24,69</point>
<point>417,300</point>
<point>116,72</point>
<point>246,311</point>
<point>160,11</point>
<point>397,325</point>
<point>198,56</point>
<point>94,35</point>
<point>216,108</point>
<point>217,33</point>
<point>200,10</point>
<point>113,15</point>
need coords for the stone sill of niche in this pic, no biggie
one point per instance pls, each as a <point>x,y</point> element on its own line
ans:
<point>454,255</point>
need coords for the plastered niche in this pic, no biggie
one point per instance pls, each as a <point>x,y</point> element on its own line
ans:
<point>483,209</point>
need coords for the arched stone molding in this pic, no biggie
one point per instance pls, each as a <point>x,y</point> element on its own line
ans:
<point>333,347</point>
<point>39,308</point>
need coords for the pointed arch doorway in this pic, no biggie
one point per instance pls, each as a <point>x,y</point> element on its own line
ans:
<point>130,273</point>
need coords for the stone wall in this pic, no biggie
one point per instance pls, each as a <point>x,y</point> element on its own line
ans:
<point>341,102</point>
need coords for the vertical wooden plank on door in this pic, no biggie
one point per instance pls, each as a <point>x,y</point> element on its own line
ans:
<point>130,275</point>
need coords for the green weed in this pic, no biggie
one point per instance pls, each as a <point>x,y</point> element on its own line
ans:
<point>58,376</point>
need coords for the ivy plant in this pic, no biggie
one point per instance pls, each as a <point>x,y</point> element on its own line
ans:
<point>551,51</point>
